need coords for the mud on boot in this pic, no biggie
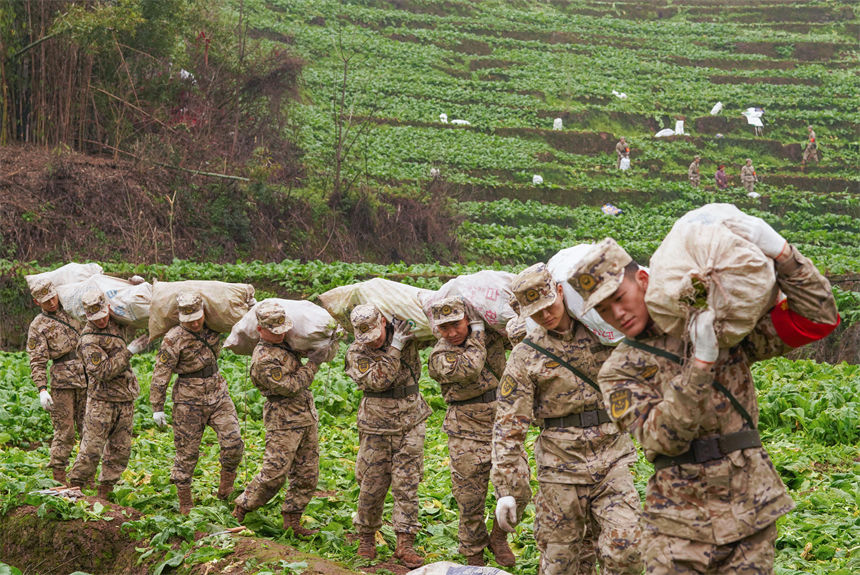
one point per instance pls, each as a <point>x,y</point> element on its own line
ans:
<point>477,559</point>
<point>367,545</point>
<point>225,487</point>
<point>239,513</point>
<point>104,490</point>
<point>183,492</point>
<point>405,551</point>
<point>59,474</point>
<point>500,548</point>
<point>294,521</point>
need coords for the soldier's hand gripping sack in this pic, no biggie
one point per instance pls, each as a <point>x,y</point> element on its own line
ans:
<point>703,264</point>
<point>224,304</point>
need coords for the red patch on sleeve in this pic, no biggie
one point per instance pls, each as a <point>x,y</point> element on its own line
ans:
<point>796,330</point>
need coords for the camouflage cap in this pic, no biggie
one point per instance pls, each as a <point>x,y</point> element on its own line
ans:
<point>272,316</point>
<point>43,290</point>
<point>190,306</point>
<point>447,310</point>
<point>95,304</point>
<point>534,289</point>
<point>366,322</point>
<point>600,272</point>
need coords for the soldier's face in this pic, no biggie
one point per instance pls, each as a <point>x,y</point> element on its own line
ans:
<point>454,332</point>
<point>49,306</point>
<point>554,316</point>
<point>195,325</point>
<point>101,323</point>
<point>270,337</point>
<point>625,310</point>
<point>380,341</point>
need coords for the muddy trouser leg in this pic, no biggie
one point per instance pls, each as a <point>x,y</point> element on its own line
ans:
<point>373,473</point>
<point>407,470</point>
<point>225,421</point>
<point>118,448</point>
<point>304,472</point>
<point>63,420</point>
<point>97,426</point>
<point>615,512</point>
<point>560,527</point>
<point>471,461</point>
<point>281,445</point>
<point>188,424</point>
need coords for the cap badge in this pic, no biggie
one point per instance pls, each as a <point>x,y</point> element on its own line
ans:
<point>532,295</point>
<point>587,282</point>
<point>446,310</point>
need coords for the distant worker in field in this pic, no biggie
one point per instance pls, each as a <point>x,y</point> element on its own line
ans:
<point>200,398</point>
<point>748,176</point>
<point>468,361</point>
<point>712,503</point>
<point>583,459</point>
<point>53,335</point>
<point>811,151</point>
<point>383,361</point>
<point>622,150</point>
<point>720,177</point>
<point>112,389</point>
<point>693,172</point>
<point>290,419</point>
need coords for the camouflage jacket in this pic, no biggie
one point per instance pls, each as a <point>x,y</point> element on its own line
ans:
<point>621,150</point>
<point>278,373</point>
<point>53,336</point>
<point>466,371</point>
<point>535,387</point>
<point>183,352</point>
<point>106,359</point>
<point>748,174</point>
<point>665,406</point>
<point>693,170</point>
<point>383,369</point>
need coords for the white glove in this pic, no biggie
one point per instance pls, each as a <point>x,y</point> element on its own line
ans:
<point>704,337</point>
<point>46,400</point>
<point>759,232</point>
<point>506,513</point>
<point>402,333</point>
<point>138,345</point>
<point>159,418</point>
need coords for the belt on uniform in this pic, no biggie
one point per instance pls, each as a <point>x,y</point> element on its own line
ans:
<point>488,396</point>
<point>395,393</point>
<point>69,356</point>
<point>712,448</point>
<point>582,419</point>
<point>207,371</point>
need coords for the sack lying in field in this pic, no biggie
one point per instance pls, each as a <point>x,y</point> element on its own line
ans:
<point>223,303</point>
<point>561,265</point>
<point>624,164</point>
<point>392,298</point>
<point>313,328</point>
<point>129,303</point>
<point>449,568</point>
<point>703,264</point>
<point>488,292</point>
<point>67,274</point>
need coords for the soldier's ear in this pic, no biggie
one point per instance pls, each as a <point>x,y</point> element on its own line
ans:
<point>642,279</point>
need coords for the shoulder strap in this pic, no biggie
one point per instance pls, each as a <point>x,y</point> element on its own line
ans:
<point>551,355</point>
<point>119,337</point>
<point>60,321</point>
<point>493,371</point>
<point>204,342</point>
<point>676,359</point>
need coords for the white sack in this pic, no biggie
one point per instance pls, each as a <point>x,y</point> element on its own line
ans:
<point>129,303</point>
<point>487,291</point>
<point>449,568</point>
<point>561,265</point>
<point>537,180</point>
<point>223,303</point>
<point>718,107</point>
<point>679,127</point>
<point>702,263</point>
<point>665,133</point>
<point>393,299</point>
<point>313,328</point>
<point>557,124</point>
<point>67,274</point>
<point>624,164</point>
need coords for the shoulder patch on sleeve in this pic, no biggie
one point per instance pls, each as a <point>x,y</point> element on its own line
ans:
<point>32,343</point>
<point>276,373</point>
<point>508,385</point>
<point>450,357</point>
<point>363,364</point>
<point>95,358</point>
<point>619,401</point>
<point>163,356</point>
<point>648,371</point>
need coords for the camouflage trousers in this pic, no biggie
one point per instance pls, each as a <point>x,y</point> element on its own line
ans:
<point>107,436</point>
<point>290,453</point>
<point>471,461</point>
<point>749,185</point>
<point>694,181</point>
<point>810,153</point>
<point>611,508</point>
<point>189,422</point>
<point>70,404</point>
<point>666,554</point>
<point>389,460</point>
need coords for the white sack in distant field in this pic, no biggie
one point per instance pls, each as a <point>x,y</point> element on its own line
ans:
<point>67,274</point>
<point>393,299</point>
<point>537,179</point>
<point>665,133</point>
<point>313,328</point>
<point>487,291</point>
<point>557,124</point>
<point>702,263</point>
<point>449,568</point>
<point>561,265</point>
<point>624,164</point>
<point>718,107</point>
<point>223,303</point>
<point>679,127</point>
<point>129,302</point>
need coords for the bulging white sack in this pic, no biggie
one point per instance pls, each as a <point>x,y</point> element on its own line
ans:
<point>129,303</point>
<point>313,328</point>
<point>68,274</point>
<point>703,264</point>
<point>624,164</point>
<point>392,298</point>
<point>487,291</point>
<point>450,568</point>
<point>223,303</point>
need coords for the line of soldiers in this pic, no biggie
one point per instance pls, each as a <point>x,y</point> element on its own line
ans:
<point>749,178</point>
<point>710,507</point>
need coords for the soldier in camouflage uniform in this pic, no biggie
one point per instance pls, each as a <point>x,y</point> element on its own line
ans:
<point>712,503</point>
<point>200,398</point>
<point>622,150</point>
<point>290,418</point>
<point>383,361</point>
<point>811,150</point>
<point>748,176</point>
<point>468,361</point>
<point>110,397</point>
<point>583,459</point>
<point>693,172</point>
<point>53,335</point>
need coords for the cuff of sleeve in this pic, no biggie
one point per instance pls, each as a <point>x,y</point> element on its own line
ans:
<point>394,352</point>
<point>791,263</point>
<point>698,380</point>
